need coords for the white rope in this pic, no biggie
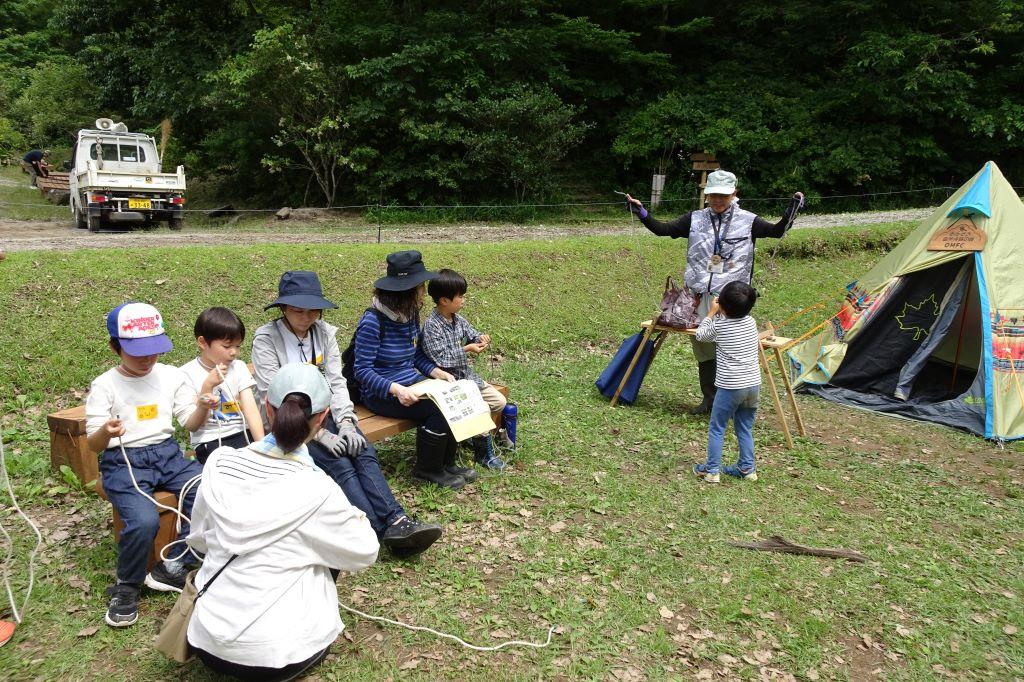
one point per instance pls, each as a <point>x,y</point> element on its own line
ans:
<point>474,647</point>
<point>181,501</point>
<point>31,557</point>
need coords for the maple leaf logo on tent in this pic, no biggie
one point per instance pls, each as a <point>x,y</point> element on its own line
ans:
<point>926,311</point>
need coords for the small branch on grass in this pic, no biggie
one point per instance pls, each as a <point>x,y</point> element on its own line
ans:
<point>777,543</point>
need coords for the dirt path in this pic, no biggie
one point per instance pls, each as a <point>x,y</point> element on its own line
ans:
<point>61,235</point>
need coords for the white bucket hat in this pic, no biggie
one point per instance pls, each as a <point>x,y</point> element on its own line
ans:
<point>720,182</point>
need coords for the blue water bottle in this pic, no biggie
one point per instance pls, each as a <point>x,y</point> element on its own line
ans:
<point>509,417</point>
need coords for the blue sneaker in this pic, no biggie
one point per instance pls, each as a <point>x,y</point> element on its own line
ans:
<point>701,471</point>
<point>735,471</point>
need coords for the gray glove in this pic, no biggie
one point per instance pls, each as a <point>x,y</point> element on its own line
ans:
<point>333,443</point>
<point>354,442</point>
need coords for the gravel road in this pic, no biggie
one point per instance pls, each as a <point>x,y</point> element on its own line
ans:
<point>61,235</point>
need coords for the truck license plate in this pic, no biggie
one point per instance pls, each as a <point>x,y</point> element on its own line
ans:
<point>140,203</point>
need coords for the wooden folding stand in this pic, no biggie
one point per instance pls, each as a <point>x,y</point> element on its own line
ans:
<point>768,340</point>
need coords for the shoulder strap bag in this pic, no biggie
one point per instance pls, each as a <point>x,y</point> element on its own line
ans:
<point>172,641</point>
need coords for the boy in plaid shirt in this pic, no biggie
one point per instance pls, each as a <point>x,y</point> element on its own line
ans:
<point>447,338</point>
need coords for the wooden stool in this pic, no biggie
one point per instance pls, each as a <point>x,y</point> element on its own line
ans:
<point>165,534</point>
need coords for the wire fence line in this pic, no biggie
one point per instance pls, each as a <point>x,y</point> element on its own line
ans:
<point>574,204</point>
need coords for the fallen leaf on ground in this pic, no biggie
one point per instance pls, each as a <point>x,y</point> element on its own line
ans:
<point>665,613</point>
<point>557,527</point>
<point>1009,630</point>
<point>410,664</point>
<point>89,631</point>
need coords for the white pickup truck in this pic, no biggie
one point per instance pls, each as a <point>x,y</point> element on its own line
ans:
<point>116,178</point>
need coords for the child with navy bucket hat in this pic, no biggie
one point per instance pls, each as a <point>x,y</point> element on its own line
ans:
<point>301,335</point>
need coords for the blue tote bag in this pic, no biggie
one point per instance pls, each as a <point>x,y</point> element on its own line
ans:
<point>613,373</point>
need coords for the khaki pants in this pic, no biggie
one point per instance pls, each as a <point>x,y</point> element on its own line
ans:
<point>703,351</point>
<point>495,400</point>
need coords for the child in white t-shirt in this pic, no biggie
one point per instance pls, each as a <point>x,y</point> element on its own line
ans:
<point>128,415</point>
<point>235,420</point>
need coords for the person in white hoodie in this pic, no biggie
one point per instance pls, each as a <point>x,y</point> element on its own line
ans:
<point>276,531</point>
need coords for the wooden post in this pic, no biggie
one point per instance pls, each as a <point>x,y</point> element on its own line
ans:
<point>703,161</point>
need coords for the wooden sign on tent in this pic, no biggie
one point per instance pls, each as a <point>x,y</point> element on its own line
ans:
<point>963,235</point>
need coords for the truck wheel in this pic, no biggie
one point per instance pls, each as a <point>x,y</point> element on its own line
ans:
<point>80,220</point>
<point>148,223</point>
<point>176,223</point>
<point>94,223</point>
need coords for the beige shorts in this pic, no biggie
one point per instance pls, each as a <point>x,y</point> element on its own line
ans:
<point>495,400</point>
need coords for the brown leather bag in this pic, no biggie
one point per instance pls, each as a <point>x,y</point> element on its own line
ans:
<point>678,307</point>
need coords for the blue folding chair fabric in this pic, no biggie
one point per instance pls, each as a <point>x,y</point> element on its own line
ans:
<point>609,380</point>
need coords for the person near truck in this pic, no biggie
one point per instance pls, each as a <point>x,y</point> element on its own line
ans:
<point>35,165</point>
<point>720,249</point>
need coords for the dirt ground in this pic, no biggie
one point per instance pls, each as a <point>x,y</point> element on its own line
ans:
<point>61,234</point>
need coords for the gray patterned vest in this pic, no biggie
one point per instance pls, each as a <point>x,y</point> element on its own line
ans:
<point>736,249</point>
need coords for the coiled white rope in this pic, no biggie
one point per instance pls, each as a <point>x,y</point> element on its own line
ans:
<point>18,615</point>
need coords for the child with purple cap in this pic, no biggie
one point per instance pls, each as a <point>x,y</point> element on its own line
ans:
<point>129,420</point>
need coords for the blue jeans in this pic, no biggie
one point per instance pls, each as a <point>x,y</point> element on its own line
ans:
<point>361,479</point>
<point>159,466</point>
<point>740,405</point>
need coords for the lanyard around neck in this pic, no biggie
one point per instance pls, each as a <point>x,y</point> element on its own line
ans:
<point>301,344</point>
<point>717,226</point>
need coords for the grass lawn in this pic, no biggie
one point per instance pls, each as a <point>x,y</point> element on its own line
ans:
<point>599,528</point>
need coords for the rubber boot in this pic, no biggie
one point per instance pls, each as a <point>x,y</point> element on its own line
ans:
<point>483,452</point>
<point>430,453</point>
<point>450,463</point>
<point>706,374</point>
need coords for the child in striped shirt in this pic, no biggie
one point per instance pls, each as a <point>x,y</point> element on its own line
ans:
<point>738,379</point>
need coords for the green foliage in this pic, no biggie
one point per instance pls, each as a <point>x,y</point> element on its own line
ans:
<point>59,99</point>
<point>12,142</point>
<point>311,134</point>
<point>526,100</point>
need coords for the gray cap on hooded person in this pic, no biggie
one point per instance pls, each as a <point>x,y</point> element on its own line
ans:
<point>298,377</point>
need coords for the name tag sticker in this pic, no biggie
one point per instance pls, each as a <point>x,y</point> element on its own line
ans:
<point>229,407</point>
<point>145,412</point>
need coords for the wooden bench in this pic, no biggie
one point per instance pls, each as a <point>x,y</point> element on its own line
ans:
<point>68,446</point>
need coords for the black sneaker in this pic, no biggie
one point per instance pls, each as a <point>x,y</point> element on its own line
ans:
<point>408,537</point>
<point>162,580</point>
<point>124,605</point>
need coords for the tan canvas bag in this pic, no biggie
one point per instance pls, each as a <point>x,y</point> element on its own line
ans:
<point>172,641</point>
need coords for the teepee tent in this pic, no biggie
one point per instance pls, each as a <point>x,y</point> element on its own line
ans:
<point>935,331</point>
